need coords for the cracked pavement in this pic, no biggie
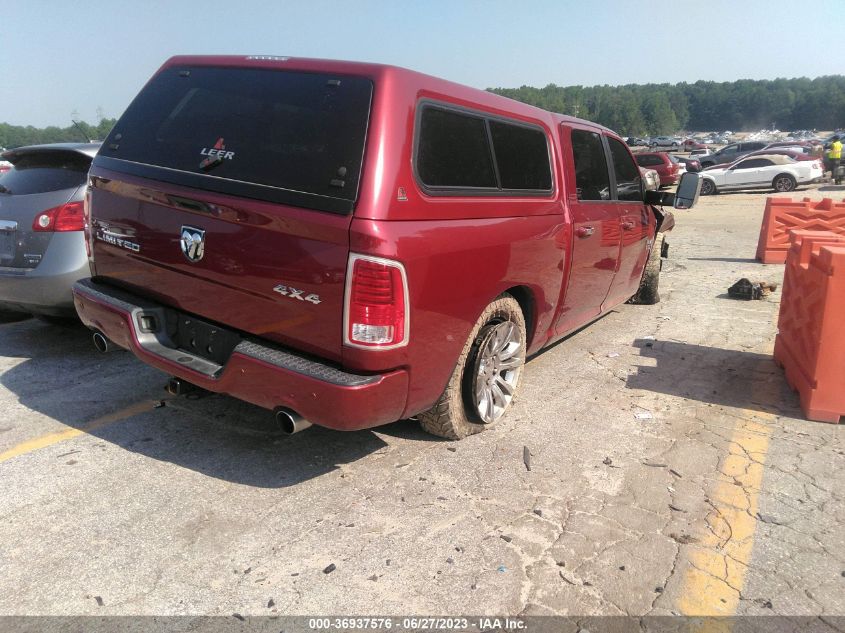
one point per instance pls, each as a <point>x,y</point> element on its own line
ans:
<point>671,473</point>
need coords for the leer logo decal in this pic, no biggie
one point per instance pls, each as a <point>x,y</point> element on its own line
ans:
<point>215,155</point>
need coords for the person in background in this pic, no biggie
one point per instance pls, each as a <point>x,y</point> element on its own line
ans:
<point>834,155</point>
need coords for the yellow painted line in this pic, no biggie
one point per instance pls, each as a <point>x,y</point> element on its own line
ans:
<point>54,438</point>
<point>718,562</point>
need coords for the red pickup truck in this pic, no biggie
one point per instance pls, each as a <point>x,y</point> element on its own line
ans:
<point>351,244</point>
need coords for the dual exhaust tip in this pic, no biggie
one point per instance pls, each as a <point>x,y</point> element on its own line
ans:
<point>103,344</point>
<point>288,420</point>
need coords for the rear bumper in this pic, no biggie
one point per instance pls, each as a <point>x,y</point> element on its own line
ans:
<point>257,372</point>
<point>46,289</point>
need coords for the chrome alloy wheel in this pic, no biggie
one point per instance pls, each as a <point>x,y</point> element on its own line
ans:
<point>498,364</point>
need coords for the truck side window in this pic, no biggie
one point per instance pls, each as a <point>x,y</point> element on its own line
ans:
<point>628,178</point>
<point>522,156</point>
<point>453,150</point>
<point>591,178</point>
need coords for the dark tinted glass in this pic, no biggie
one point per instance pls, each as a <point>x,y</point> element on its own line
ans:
<point>754,162</point>
<point>40,173</point>
<point>751,147</point>
<point>628,178</point>
<point>591,177</point>
<point>295,131</point>
<point>453,150</point>
<point>648,160</point>
<point>522,157</point>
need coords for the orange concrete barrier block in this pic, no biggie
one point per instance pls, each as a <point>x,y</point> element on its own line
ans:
<point>810,344</point>
<point>783,215</point>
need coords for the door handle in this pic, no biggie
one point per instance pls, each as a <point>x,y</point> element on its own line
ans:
<point>584,231</point>
<point>628,225</point>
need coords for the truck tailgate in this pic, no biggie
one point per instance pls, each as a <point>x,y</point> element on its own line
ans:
<point>268,269</point>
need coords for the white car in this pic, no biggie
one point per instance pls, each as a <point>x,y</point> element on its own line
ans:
<point>764,171</point>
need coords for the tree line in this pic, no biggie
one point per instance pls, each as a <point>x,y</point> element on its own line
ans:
<point>744,105</point>
<point>631,110</point>
<point>17,135</point>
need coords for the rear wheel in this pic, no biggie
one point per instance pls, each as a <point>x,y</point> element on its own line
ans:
<point>708,187</point>
<point>485,379</point>
<point>783,183</point>
<point>648,291</point>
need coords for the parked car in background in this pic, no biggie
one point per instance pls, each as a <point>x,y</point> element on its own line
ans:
<point>765,171</point>
<point>795,146</point>
<point>784,151</point>
<point>662,163</point>
<point>689,144</point>
<point>664,141</point>
<point>635,141</point>
<point>42,249</point>
<point>691,164</point>
<point>730,153</point>
<point>699,153</point>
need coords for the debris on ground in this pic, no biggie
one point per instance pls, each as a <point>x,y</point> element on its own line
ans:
<point>748,290</point>
<point>502,569</point>
<point>506,538</point>
<point>526,457</point>
<point>613,355</point>
<point>99,600</point>
<point>159,404</point>
<point>643,415</point>
<point>271,603</point>
<point>607,461</point>
<point>330,569</point>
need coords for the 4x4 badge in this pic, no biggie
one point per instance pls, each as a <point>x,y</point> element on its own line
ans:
<point>193,243</point>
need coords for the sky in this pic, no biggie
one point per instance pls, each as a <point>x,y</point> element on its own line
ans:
<point>90,57</point>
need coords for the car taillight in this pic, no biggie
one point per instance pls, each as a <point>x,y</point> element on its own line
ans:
<point>376,310</point>
<point>86,220</point>
<point>67,217</point>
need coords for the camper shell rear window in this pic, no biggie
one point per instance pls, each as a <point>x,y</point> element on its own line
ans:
<point>284,136</point>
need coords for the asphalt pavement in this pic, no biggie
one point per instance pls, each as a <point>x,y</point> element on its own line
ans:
<point>654,463</point>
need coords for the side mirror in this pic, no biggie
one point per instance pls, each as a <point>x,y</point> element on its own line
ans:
<point>687,192</point>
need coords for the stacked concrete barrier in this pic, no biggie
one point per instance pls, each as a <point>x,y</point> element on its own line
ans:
<point>810,344</point>
<point>783,215</point>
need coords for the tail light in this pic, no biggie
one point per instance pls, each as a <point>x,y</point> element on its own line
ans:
<point>67,217</point>
<point>376,310</point>
<point>86,220</point>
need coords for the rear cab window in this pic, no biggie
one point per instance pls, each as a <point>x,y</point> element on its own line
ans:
<point>284,136</point>
<point>44,172</point>
<point>460,152</point>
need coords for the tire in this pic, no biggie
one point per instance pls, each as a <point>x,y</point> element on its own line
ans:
<point>470,404</point>
<point>783,183</point>
<point>708,187</point>
<point>648,293</point>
